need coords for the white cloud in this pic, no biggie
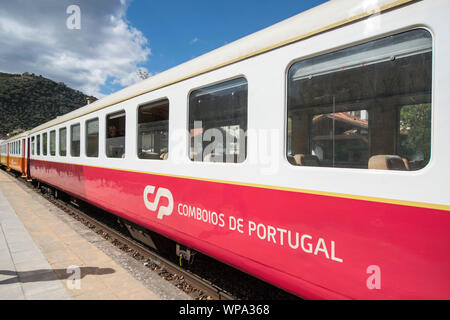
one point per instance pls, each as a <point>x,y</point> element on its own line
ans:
<point>195,40</point>
<point>34,38</point>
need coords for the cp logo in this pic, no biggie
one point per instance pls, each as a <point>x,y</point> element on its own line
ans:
<point>161,193</point>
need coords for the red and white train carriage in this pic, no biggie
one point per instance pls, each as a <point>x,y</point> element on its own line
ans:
<point>312,154</point>
<point>14,153</point>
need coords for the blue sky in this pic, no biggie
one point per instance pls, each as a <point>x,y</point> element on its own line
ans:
<point>181,30</point>
<point>115,38</point>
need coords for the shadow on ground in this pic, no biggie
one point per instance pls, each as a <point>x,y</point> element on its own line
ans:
<point>53,274</point>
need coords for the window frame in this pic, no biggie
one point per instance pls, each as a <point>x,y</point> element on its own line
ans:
<point>106,115</point>
<point>45,150</point>
<point>32,146</point>
<point>60,140</point>
<point>38,144</point>
<point>153,101</point>
<point>325,51</point>
<point>210,84</point>
<point>50,144</point>
<point>70,139</point>
<point>86,122</point>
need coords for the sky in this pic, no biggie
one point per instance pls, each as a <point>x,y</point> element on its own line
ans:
<point>99,48</point>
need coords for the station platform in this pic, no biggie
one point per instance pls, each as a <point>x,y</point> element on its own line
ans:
<point>42,257</point>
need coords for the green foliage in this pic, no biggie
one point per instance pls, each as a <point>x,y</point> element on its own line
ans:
<point>27,101</point>
<point>415,131</point>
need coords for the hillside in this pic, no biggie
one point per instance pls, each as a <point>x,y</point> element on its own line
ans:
<point>27,101</point>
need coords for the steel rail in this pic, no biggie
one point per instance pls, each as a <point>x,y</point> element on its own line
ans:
<point>193,280</point>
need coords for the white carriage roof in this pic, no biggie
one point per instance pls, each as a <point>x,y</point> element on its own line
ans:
<point>330,15</point>
<point>16,137</point>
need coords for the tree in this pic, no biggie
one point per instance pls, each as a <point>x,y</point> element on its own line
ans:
<point>415,132</point>
<point>143,74</point>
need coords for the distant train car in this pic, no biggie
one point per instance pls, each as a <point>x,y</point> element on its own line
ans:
<point>3,153</point>
<point>312,154</point>
<point>15,154</point>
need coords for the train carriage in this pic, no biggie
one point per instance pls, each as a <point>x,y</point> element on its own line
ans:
<point>311,154</point>
<point>15,153</point>
<point>3,154</point>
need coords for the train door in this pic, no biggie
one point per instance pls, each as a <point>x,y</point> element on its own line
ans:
<point>23,161</point>
<point>7,157</point>
<point>28,173</point>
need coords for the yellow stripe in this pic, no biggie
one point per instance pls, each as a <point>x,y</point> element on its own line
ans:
<point>262,186</point>
<point>335,25</point>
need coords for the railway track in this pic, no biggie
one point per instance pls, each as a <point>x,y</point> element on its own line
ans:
<point>206,279</point>
<point>207,290</point>
<point>195,286</point>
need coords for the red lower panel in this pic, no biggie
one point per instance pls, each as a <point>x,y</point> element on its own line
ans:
<point>312,245</point>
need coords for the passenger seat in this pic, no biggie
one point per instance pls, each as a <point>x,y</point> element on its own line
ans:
<point>387,162</point>
<point>306,160</point>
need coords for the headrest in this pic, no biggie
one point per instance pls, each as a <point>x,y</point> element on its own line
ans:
<point>387,162</point>
<point>306,160</point>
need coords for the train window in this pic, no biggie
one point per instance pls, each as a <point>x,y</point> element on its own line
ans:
<point>75,140</point>
<point>32,146</point>
<point>62,142</point>
<point>38,145</point>
<point>52,142</point>
<point>44,143</point>
<point>153,130</point>
<point>115,135</point>
<point>218,122</point>
<point>92,138</point>
<point>367,106</point>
